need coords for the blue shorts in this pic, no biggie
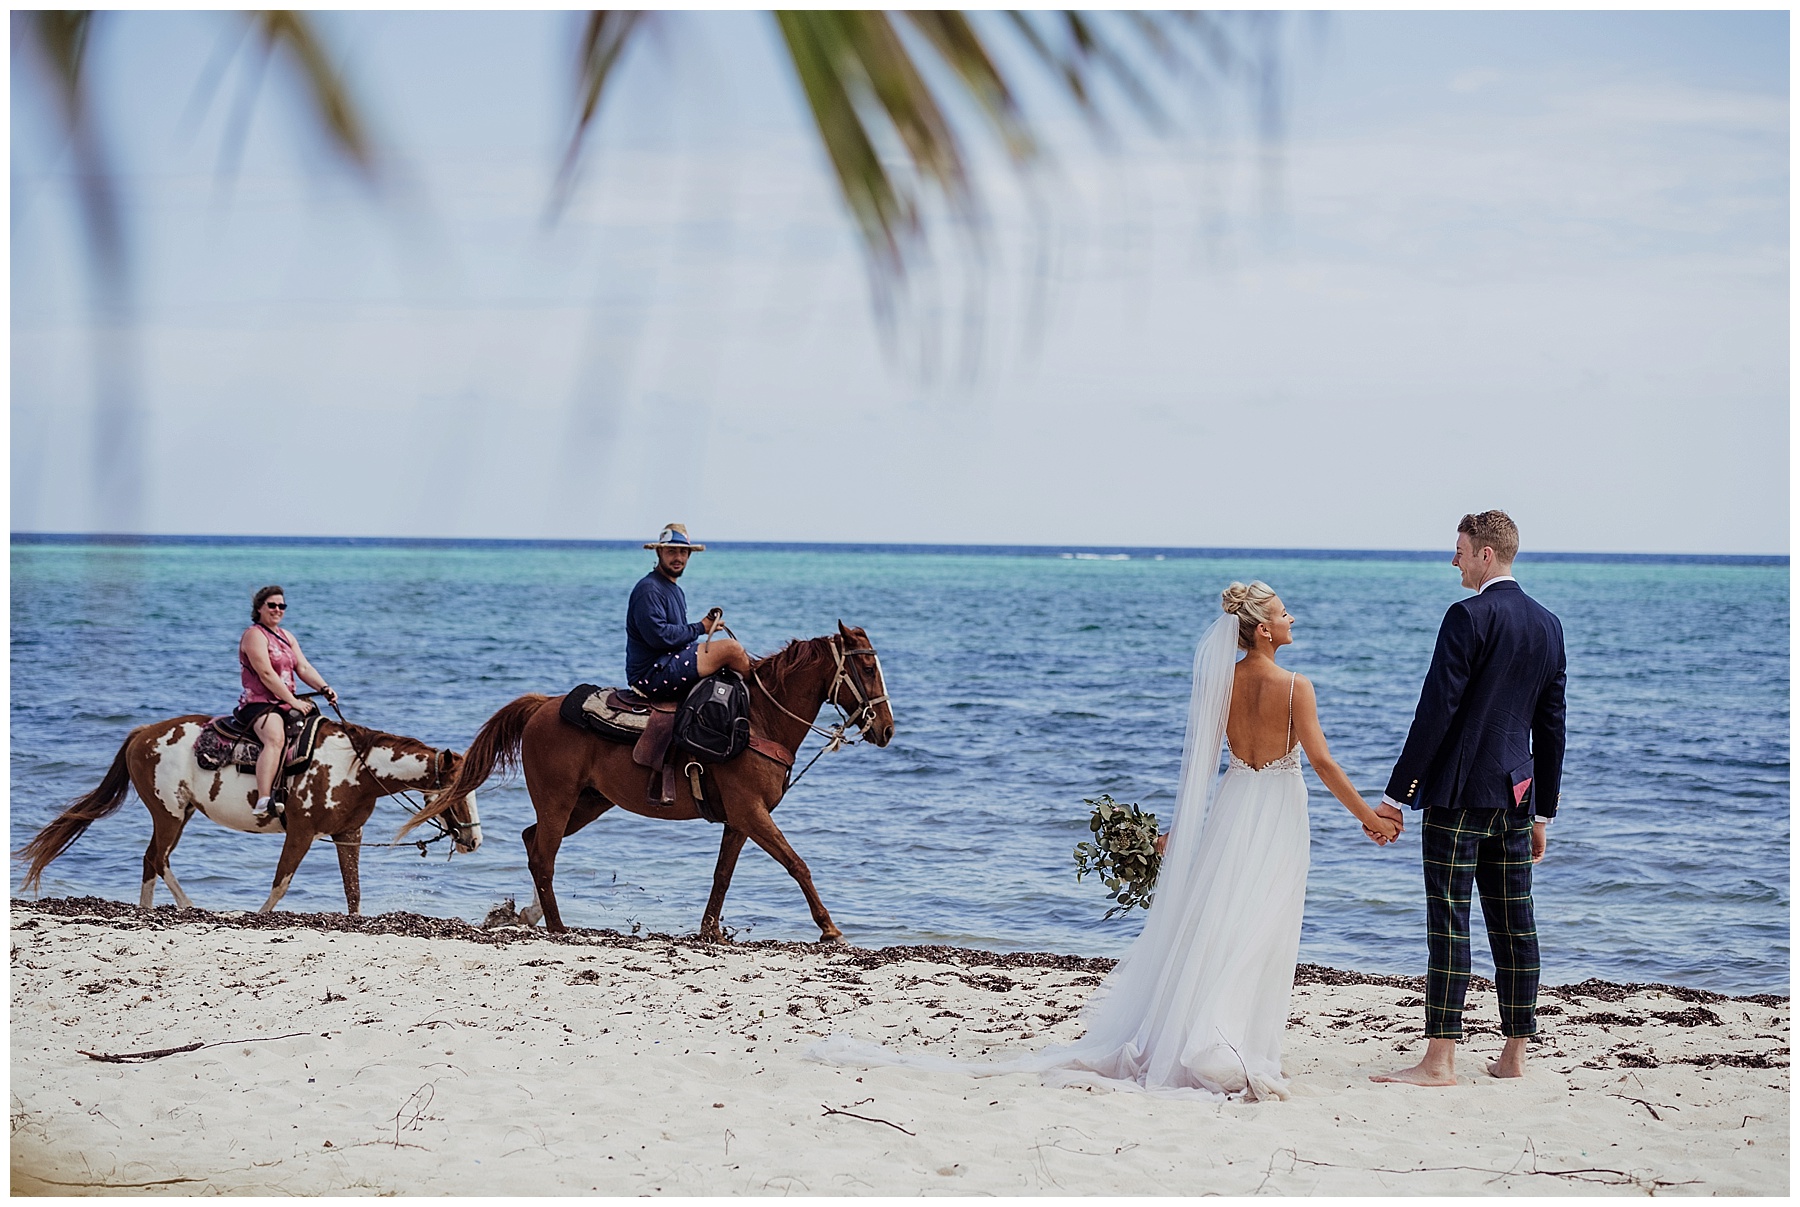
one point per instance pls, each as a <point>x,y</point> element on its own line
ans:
<point>671,675</point>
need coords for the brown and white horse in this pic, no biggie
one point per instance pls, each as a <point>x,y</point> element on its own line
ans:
<point>574,776</point>
<point>352,767</point>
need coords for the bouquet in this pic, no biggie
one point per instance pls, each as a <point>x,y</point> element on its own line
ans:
<point>1123,853</point>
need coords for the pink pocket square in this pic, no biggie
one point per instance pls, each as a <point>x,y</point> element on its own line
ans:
<point>1520,789</point>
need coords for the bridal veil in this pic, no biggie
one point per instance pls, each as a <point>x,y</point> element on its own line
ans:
<point>1140,1023</point>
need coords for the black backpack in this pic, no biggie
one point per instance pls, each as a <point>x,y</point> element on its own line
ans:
<point>713,723</point>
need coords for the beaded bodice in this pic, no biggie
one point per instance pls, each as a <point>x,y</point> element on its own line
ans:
<point>1287,762</point>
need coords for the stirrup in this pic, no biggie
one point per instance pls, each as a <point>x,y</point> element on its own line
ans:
<point>277,805</point>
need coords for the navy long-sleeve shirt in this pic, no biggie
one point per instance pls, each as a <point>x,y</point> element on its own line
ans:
<point>655,623</point>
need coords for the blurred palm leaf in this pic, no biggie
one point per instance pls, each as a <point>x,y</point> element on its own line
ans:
<point>62,38</point>
<point>867,93</point>
<point>602,41</point>
<point>332,105</point>
<point>887,129</point>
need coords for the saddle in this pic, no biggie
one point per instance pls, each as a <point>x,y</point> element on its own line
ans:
<point>223,742</point>
<point>648,726</point>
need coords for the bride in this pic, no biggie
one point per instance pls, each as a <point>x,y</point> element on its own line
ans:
<point>1197,1005</point>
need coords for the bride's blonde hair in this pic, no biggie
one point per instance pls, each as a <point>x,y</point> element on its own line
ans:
<point>1250,604</point>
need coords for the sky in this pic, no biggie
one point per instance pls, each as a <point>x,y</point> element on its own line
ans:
<point>1536,261</point>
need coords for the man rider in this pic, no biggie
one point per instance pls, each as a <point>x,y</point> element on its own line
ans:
<point>663,653</point>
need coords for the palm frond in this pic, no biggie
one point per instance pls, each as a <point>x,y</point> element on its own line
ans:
<point>828,52</point>
<point>1066,71</point>
<point>1102,50</point>
<point>332,103</point>
<point>868,98</point>
<point>602,42</point>
<point>957,43</point>
<point>61,37</point>
<point>1139,52</point>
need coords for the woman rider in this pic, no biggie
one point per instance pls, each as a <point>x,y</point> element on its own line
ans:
<point>268,659</point>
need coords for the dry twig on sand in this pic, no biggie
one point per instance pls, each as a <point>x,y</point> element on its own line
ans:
<point>829,1110</point>
<point>159,1053</point>
<point>1579,1175</point>
<point>422,1097</point>
<point>1647,1106</point>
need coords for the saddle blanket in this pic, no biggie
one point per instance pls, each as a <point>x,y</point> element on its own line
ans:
<point>222,743</point>
<point>615,714</point>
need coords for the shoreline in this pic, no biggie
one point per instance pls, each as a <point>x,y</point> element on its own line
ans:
<point>403,922</point>
<point>179,1052</point>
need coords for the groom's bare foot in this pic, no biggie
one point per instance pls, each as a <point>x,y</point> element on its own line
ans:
<point>1438,1067</point>
<point>1511,1062</point>
<point>1420,1074</point>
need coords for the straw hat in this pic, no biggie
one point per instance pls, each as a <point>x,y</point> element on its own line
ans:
<point>674,535</point>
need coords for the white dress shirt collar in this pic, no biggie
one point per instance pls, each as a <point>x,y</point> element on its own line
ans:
<point>1502,578</point>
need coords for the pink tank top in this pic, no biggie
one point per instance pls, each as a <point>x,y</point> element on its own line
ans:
<point>281,657</point>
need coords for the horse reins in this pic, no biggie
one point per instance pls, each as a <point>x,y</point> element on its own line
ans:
<point>447,826</point>
<point>835,737</point>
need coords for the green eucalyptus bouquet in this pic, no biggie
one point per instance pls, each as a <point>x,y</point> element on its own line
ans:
<point>1123,853</point>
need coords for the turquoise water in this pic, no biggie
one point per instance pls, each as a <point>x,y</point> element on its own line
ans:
<point>1022,682</point>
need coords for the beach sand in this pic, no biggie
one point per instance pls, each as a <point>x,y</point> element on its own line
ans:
<point>419,1056</point>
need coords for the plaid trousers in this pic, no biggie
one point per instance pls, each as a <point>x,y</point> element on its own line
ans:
<point>1490,849</point>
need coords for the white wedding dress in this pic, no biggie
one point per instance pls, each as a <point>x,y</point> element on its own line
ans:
<point>1197,1005</point>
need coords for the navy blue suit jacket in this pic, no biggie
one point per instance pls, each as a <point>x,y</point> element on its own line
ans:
<point>1490,715</point>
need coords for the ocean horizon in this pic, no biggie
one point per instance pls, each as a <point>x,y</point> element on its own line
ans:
<point>1073,550</point>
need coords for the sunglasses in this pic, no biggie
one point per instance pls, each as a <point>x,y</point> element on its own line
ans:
<point>276,607</point>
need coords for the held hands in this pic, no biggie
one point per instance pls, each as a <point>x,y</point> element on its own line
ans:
<point>1162,843</point>
<point>1389,824</point>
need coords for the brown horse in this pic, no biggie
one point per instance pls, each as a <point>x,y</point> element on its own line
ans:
<point>352,767</point>
<point>574,776</point>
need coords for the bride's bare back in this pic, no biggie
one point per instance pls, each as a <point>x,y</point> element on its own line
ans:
<point>1260,724</point>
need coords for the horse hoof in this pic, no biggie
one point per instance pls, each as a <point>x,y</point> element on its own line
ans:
<point>832,936</point>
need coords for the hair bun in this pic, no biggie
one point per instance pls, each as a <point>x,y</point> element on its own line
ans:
<point>1249,602</point>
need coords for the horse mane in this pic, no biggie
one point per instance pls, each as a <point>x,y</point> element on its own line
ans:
<point>799,654</point>
<point>368,737</point>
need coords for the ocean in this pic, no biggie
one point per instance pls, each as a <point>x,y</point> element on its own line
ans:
<point>1023,680</point>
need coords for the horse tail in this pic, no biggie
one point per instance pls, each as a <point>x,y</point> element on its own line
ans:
<point>73,821</point>
<point>495,748</point>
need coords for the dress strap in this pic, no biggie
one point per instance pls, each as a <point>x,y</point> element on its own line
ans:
<point>1287,742</point>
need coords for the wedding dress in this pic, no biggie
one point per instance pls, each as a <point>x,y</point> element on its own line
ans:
<point>1197,1005</point>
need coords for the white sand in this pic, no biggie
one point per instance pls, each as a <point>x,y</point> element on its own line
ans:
<point>446,1066</point>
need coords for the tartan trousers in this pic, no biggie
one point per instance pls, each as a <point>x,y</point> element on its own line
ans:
<point>1489,849</point>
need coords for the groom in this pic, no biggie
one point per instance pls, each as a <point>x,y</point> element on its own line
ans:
<point>1484,761</point>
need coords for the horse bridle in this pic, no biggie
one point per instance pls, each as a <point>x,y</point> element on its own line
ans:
<point>448,826</point>
<point>841,677</point>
